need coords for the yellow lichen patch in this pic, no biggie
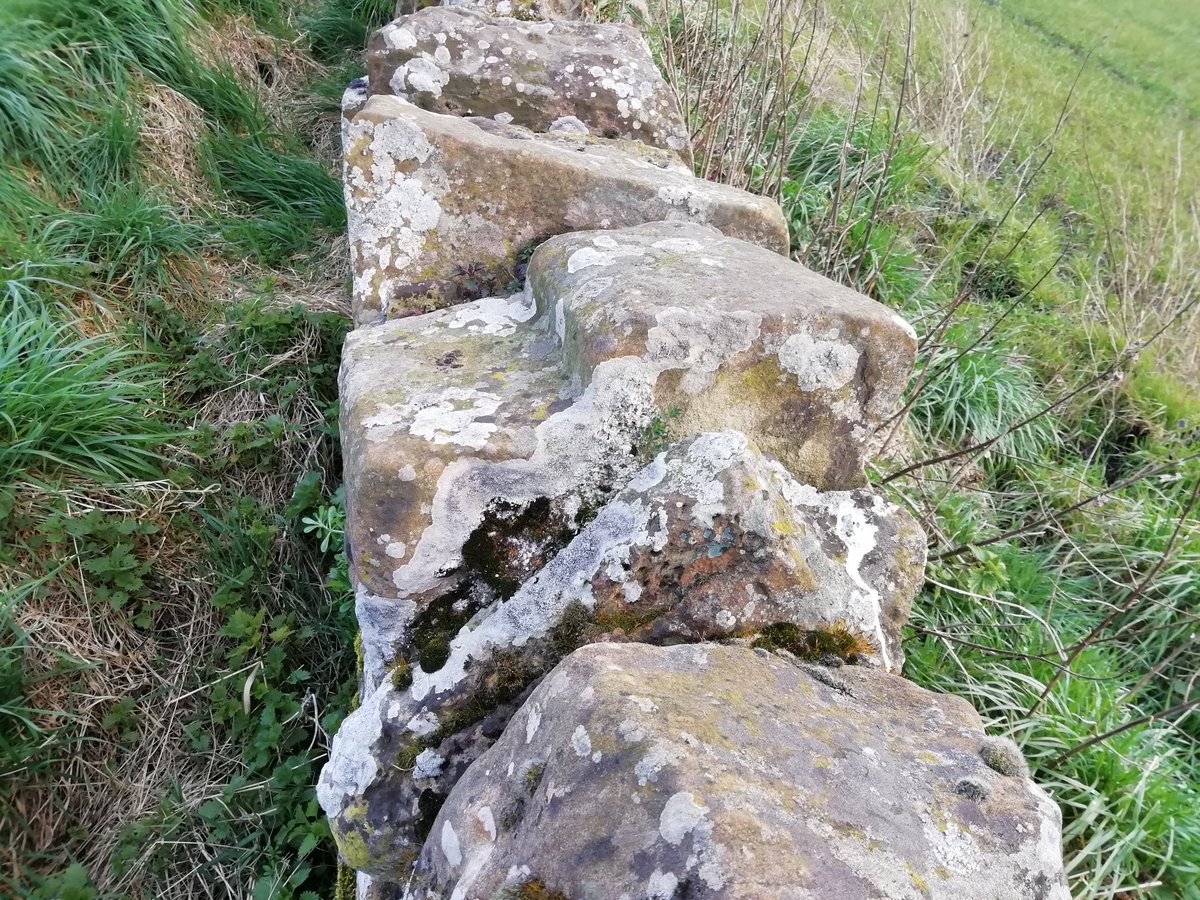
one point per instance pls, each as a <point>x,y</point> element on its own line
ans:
<point>351,844</point>
<point>918,882</point>
<point>802,573</point>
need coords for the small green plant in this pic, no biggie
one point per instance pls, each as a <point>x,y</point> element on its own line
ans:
<point>533,777</point>
<point>328,525</point>
<point>656,436</point>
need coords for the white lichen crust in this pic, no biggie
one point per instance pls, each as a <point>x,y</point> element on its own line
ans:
<point>765,779</point>
<point>464,62</point>
<point>431,197</point>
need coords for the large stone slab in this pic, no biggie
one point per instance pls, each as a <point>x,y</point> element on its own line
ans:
<point>746,339</point>
<point>540,75</point>
<point>460,423</point>
<point>441,208</point>
<point>501,424</point>
<point>710,540</point>
<point>711,772</point>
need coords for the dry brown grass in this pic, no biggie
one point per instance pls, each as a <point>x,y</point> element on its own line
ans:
<point>102,780</point>
<point>169,146</point>
<point>274,68</point>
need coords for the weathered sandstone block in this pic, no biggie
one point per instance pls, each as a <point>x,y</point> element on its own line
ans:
<point>441,207</point>
<point>712,772</point>
<point>458,423</point>
<point>525,10</point>
<point>710,540</point>
<point>462,62</point>
<point>746,339</point>
<point>495,426</point>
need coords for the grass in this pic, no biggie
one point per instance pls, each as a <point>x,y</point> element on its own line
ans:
<point>176,640</point>
<point>70,403</point>
<point>1050,448</point>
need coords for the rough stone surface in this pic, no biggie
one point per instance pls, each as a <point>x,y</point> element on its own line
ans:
<point>712,772</point>
<point>709,540</point>
<point>552,399</point>
<point>462,62</point>
<point>526,10</point>
<point>445,414</point>
<point>597,420</point>
<point>440,208</point>
<point>753,341</point>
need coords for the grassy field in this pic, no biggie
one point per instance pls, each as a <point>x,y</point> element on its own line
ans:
<point>1122,75</point>
<point>1150,46</point>
<point>1103,97</point>
<point>176,636</point>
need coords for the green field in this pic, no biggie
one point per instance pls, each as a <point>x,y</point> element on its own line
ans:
<point>1151,47</point>
<point>1122,76</point>
<point>176,631</point>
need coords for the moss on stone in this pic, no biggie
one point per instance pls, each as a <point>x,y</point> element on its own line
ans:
<point>512,814</point>
<point>973,788</point>
<point>530,889</point>
<point>345,888</point>
<point>514,541</point>
<point>815,645</point>
<point>572,631</point>
<point>352,846</point>
<point>436,626</point>
<point>1004,756</point>
<point>620,617</point>
<point>401,675</point>
<point>533,777</point>
<point>406,757</point>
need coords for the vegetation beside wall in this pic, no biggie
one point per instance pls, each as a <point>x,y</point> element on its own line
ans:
<point>176,637</point>
<point>176,631</point>
<point>1052,449</point>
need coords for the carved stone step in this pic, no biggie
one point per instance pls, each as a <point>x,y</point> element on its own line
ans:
<point>441,208</point>
<point>540,75</point>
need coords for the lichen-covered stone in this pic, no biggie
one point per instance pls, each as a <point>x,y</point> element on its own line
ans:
<point>463,429</point>
<point>525,10</point>
<point>703,771</point>
<point>440,208</point>
<point>746,339</point>
<point>710,540</point>
<point>469,460</point>
<point>462,62</point>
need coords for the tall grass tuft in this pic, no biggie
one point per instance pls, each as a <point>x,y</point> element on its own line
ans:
<point>69,404</point>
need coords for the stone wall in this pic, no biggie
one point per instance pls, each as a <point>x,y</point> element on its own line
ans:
<point>630,613</point>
